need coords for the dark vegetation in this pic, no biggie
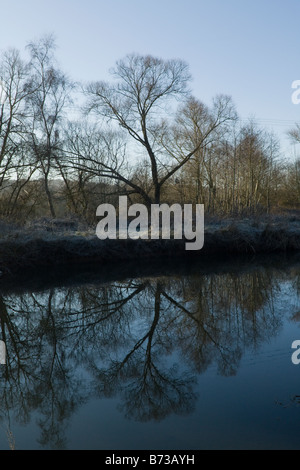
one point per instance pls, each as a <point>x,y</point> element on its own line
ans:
<point>143,135</point>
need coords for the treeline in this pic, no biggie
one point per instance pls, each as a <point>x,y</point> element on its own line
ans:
<point>143,135</point>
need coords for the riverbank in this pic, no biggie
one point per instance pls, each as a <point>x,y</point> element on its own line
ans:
<point>36,247</point>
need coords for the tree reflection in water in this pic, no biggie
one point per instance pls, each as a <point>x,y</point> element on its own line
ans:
<point>143,341</point>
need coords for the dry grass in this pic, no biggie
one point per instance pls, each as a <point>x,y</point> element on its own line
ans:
<point>39,246</point>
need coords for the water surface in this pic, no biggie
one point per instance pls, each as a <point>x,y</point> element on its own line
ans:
<point>180,356</point>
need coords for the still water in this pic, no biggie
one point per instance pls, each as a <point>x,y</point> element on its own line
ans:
<point>194,356</point>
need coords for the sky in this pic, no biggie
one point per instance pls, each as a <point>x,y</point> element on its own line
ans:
<point>248,49</point>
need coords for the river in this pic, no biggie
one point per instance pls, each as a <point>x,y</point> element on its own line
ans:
<point>174,355</point>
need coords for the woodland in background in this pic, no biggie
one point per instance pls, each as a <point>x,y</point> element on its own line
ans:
<point>143,135</point>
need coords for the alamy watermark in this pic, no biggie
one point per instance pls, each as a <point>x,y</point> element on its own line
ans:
<point>296,354</point>
<point>296,93</point>
<point>2,93</point>
<point>164,222</point>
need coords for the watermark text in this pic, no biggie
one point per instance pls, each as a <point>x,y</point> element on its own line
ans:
<point>2,93</point>
<point>296,93</point>
<point>164,222</point>
<point>296,354</point>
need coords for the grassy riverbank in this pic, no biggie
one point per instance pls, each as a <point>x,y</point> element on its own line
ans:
<point>54,243</point>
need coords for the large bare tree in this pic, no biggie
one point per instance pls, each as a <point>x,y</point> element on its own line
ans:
<point>51,92</point>
<point>144,100</point>
<point>15,166</point>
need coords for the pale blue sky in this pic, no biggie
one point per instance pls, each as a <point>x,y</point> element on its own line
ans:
<point>249,49</point>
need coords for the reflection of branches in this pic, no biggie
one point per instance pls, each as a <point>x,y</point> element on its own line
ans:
<point>36,367</point>
<point>294,401</point>
<point>229,358</point>
<point>101,312</point>
<point>109,308</point>
<point>9,436</point>
<point>143,340</point>
<point>159,395</point>
<point>10,332</point>
<point>151,393</point>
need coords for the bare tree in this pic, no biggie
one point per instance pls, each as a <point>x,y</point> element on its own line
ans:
<point>50,94</point>
<point>294,133</point>
<point>142,103</point>
<point>13,125</point>
<point>93,154</point>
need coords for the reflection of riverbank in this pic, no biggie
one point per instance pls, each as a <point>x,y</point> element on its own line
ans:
<point>32,250</point>
<point>41,278</point>
<point>64,275</point>
<point>144,342</point>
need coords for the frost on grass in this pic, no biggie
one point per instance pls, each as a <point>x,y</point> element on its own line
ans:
<point>47,242</point>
